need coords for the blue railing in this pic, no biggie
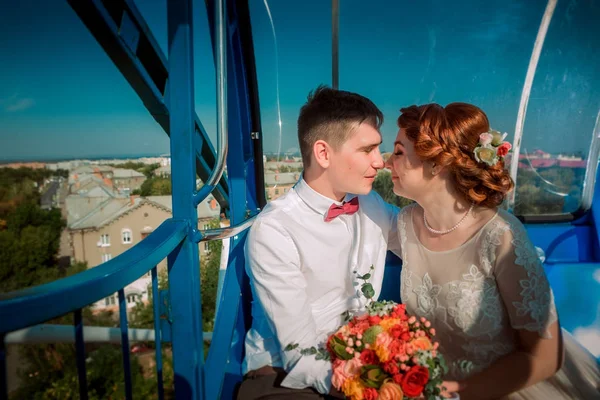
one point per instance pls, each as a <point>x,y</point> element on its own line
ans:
<point>38,304</point>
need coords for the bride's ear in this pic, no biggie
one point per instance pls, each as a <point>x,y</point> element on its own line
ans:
<point>436,169</point>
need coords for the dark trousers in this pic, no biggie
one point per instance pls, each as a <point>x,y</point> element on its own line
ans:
<point>265,384</point>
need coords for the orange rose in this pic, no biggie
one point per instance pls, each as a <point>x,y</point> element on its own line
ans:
<point>389,323</point>
<point>422,343</point>
<point>390,391</point>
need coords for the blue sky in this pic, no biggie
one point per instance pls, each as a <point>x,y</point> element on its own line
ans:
<point>61,96</point>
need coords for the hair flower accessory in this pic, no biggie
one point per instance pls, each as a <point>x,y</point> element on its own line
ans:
<point>491,147</point>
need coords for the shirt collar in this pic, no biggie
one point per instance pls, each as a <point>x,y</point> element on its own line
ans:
<point>316,200</point>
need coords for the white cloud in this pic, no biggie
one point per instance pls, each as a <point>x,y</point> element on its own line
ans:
<point>15,104</point>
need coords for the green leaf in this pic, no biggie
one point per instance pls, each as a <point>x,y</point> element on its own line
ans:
<point>367,290</point>
<point>373,376</point>
<point>308,352</point>
<point>291,346</point>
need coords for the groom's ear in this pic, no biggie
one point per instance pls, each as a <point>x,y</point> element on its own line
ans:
<point>322,153</point>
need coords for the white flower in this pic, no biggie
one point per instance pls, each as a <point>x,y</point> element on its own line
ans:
<point>498,138</point>
<point>486,154</point>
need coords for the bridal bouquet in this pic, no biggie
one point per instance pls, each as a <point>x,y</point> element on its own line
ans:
<point>383,354</point>
<point>386,355</point>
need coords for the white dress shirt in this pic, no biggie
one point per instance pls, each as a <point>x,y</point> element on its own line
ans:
<point>302,279</point>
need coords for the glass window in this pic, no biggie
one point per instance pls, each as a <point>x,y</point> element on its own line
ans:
<point>126,235</point>
<point>104,240</point>
<point>283,48</point>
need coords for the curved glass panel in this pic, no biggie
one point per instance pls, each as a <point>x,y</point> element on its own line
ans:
<point>292,44</point>
<point>401,53</point>
<point>426,52</point>
<point>564,104</point>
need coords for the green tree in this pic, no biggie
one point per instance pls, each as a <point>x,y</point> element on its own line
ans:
<point>146,169</point>
<point>52,373</point>
<point>209,277</point>
<point>384,186</point>
<point>156,186</point>
<point>28,247</point>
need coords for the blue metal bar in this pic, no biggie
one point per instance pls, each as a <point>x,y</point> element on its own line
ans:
<point>226,348</point>
<point>3,370</point>
<point>221,78</point>
<point>53,333</point>
<point>80,351</point>
<point>157,335</point>
<point>184,268</point>
<point>125,344</point>
<point>225,356</point>
<point>41,303</point>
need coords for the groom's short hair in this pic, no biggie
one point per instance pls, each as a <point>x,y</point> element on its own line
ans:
<point>331,115</point>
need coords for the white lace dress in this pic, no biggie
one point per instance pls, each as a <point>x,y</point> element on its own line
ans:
<point>477,294</point>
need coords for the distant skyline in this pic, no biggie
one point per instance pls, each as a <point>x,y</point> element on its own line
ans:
<point>61,96</point>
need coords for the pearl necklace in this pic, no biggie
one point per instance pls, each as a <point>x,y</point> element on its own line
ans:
<point>430,229</point>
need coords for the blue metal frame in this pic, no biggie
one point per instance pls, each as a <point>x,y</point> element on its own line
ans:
<point>184,268</point>
<point>223,365</point>
<point>80,350</point>
<point>120,29</point>
<point>157,334</point>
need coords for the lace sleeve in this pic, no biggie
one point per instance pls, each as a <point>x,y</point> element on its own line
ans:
<point>522,282</point>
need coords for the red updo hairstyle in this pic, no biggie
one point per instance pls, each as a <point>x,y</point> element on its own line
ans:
<point>447,136</point>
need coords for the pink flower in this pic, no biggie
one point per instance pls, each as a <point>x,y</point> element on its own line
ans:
<point>503,149</point>
<point>485,138</point>
<point>339,375</point>
<point>343,370</point>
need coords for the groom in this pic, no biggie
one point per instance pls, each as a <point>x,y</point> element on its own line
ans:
<point>303,249</point>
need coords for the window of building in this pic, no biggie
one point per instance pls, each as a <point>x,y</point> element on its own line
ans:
<point>106,257</point>
<point>126,236</point>
<point>105,240</point>
<point>132,298</point>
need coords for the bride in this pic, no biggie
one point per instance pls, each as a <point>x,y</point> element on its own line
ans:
<point>470,268</point>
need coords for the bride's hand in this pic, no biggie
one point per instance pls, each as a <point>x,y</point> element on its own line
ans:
<point>450,389</point>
